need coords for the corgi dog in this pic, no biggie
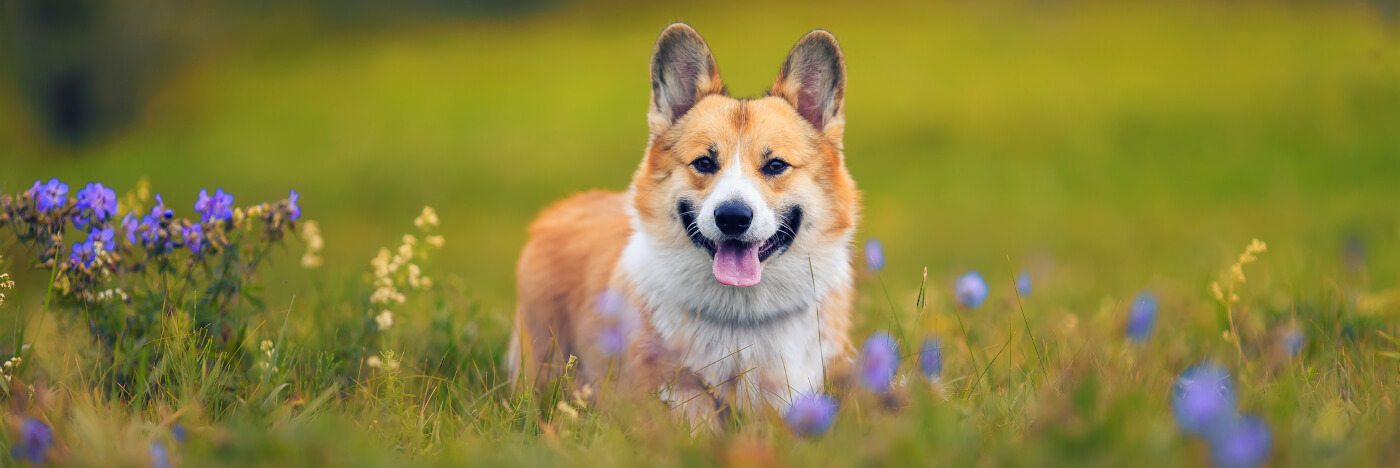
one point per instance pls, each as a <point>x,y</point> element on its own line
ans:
<point>724,270</point>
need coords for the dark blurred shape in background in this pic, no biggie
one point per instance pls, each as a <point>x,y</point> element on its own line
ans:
<point>87,67</point>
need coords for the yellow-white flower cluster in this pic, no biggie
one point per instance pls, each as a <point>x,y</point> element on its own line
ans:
<point>395,270</point>
<point>268,351</point>
<point>311,234</point>
<point>385,319</point>
<point>5,283</point>
<point>389,361</point>
<point>110,294</point>
<point>1226,294</point>
<point>9,368</point>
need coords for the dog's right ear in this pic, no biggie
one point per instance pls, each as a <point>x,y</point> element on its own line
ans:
<point>682,72</point>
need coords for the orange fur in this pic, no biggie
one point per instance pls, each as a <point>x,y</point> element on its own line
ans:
<point>569,259</point>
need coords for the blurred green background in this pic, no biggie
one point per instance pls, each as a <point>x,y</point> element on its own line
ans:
<point>1107,143</point>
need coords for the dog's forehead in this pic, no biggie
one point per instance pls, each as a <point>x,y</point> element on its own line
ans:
<point>751,126</point>
<point>779,126</point>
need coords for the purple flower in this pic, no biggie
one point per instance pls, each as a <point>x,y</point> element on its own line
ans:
<point>970,289</point>
<point>159,457</point>
<point>619,321</point>
<point>194,237</point>
<point>130,226</point>
<point>178,432</point>
<point>35,439</point>
<point>1293,342</point>
<point>152,235</point>
<point>49,195</point>
<point>879,359</point>
<point>875,254</point>
<point>1204,399</point>
<point>216,208</point>
<point>610,303</point>
<point>613,340</point>
<point>811,414</point>
<point>293,209</point>
<point>1244,444</point>
<point>931,358</point>
<point>85,252</point>
<point>103,235</point>
<point>1023,283</point>
<point>96,199</point>
<point>160,211</point>
<point>1142,316</point>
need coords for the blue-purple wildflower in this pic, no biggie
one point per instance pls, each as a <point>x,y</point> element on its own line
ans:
<point>35,439</point>
<point>931,358</point>
<point>159,457</point>
<point>874,254</point>
<point>160,211</point>
<point>152,235</point>
<point>293,209</point>
<point>95,204</point>
<point>216,208</point>
<point>811,414</point>
<point>85,252</point>
<point>1023,283</point>
<point>1204,400</point>
<point>131,226</point>
<point>615,335</point>
<point>612,340</point>
<point>194,237</point>
<point>610,303</point>
<point>149,232</point>
<point>879,359</point>
<point>1244,444</point>
<point>178,432</point>
<point>1293,342</point>
<point>50,195</point>
<point>1142,316</point>
<point>970,289</point>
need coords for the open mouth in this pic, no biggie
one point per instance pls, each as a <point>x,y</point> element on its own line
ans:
<point>738,263</point>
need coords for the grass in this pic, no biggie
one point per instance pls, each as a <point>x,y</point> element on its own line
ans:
<point>1105,149</point>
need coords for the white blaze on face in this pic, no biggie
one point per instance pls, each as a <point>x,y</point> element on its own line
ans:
<point>736,184</point>
<point>736,261</point>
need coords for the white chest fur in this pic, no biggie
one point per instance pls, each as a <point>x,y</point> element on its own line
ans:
<point>767,341</point>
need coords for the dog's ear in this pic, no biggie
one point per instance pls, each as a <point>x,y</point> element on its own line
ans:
<point>813,80</point>
<point>682,72</point>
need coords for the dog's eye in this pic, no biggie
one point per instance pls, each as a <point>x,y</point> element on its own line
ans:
<point>775,166</point>
<point>704,164</point>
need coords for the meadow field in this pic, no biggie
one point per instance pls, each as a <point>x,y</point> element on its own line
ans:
<point>1109,152</point>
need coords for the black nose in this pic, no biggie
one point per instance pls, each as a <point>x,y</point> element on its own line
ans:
<point>733,218</point>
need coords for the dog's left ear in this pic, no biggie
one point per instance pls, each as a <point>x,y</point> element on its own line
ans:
<point>813,80</point>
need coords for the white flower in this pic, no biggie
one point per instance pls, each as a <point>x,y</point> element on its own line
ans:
<point>311,233</point>
<point>376,362</point>
<point>428,218</point>
<point>385,319</point>
<point>416,278</point>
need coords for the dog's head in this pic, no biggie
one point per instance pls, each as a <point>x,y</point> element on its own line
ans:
<point>744,181</point>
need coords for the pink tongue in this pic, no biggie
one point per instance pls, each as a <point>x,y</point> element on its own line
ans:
<point>736,264</point>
